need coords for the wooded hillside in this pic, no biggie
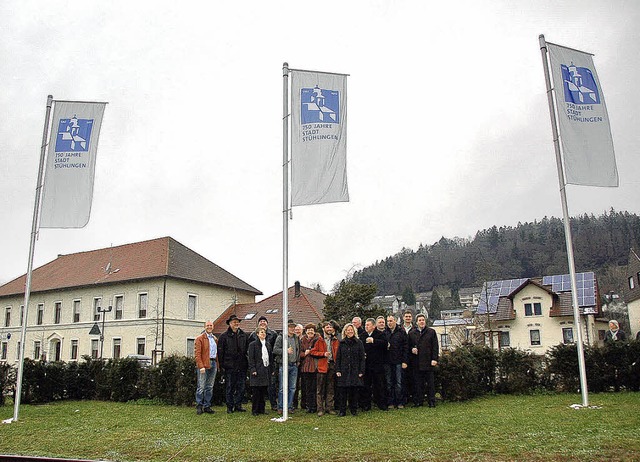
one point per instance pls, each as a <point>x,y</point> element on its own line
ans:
<point>601,244</point>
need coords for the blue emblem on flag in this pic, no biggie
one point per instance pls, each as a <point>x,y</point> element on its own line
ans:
<point>319,105</point>
<point>579,85</point>
<point>74,135</point>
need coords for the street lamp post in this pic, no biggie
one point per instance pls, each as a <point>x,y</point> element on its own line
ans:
<point>104,312</point>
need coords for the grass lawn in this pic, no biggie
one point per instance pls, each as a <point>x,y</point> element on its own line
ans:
<point>496,428</point>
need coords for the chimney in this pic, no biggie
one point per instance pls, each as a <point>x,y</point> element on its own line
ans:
<point>297,289</point>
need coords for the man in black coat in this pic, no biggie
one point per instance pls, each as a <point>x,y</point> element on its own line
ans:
<point>424,353</point>
<point>396,362</point>
<point>232,355</point>
<point>375,347</point>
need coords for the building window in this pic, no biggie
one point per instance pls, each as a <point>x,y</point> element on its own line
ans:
<point>36,350</point>
<point>5,349</point>
<point>74,349</point>
<point>191,347</point>
<point>534,335</point>
<point>119,306</point>
<point>18,351</point>
<point>142,305</point>
<point>533,309</point>
<point>632,283</point>
<point>94,348</point>
<point>7,317</point>
<point>40,314</point>
<point>445,341</point>
<point>191,307</point>
<point>141,343</point>
<point>76,311</point>
<point>97,303</point>
<point>21,315</point>
<point>505,339</point>
<point>117,343</point>
<point>567,335</point>
<point>57,313</point>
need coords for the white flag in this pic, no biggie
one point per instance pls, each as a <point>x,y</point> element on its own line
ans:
<point>318,138</point>
<point>71,161</point>
<point>585,133</point>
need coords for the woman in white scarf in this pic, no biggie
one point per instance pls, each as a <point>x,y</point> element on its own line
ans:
<point>614,334</point>
<point>260,369</point>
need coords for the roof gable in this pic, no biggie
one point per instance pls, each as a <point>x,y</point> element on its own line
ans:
<point>141,260</point>
<point>305,308</point>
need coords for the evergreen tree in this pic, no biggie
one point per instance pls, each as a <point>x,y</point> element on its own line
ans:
<point>435,307</point>
<point>408,296</point>
<point>351,299</point>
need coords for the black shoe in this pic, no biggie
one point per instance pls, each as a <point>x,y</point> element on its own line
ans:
<point>199,409</point>
<point>240,409</point>
<point>229,410</point>
<point>432,404</point>
<point>342,414</point>
<point>354,413</point>
<point>208,410</point>
<point>255,413</point>
<point>417,405</point>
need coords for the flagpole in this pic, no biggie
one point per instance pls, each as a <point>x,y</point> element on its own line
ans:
<point>285,241</point>
<point>567,228</point>
<point>32,244</point>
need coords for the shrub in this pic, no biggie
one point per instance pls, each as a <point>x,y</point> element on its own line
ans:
<point>173,381</point>
<point>562,364</point>
<point>519,372</point>
<point>123,377</point>
<point>459,375</point>
<point>7,381</point>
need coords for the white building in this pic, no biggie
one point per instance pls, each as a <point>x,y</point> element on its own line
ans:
<point>159,293</point>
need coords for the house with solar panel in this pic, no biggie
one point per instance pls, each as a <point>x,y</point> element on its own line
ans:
<point>147,299</point>
<point>531,314</point>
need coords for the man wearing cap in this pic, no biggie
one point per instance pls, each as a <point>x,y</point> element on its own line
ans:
<point>271,340</point>
<point>232,354</point>
<point>293,358</point>
<point>206,352</point>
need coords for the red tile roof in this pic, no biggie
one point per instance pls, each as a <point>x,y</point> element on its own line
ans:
<point>303,309</point>
<point>141,260</point>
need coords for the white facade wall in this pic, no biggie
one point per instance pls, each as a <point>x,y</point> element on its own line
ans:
<point>633,309</point>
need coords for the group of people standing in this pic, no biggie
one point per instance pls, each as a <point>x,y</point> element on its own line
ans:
<point>383,363</point>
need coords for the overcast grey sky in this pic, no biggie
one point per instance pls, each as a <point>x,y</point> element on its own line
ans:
<point>448,131</point>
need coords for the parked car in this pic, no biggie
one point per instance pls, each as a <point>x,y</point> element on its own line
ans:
<point>143,361</point>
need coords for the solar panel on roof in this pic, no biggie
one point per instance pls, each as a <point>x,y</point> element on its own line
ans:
<point>493,290</point>
<point>585,286</point>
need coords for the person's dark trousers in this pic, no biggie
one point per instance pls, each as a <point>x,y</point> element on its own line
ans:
<point>379,389</point>
<point>364,394</point>
<point>299,394</point>
<point>431,387</point>
<point>257,400</point>
<point>273,391</point>
<point>309,392</point>
<point>393,373</point>
<point>407,385</point>
<point>235,383</point>
<point>326,390</point>
<point>422,379</point>
<point>348,395</point>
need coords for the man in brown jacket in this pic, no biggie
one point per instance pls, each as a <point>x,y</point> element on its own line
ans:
<point>206,353</point>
